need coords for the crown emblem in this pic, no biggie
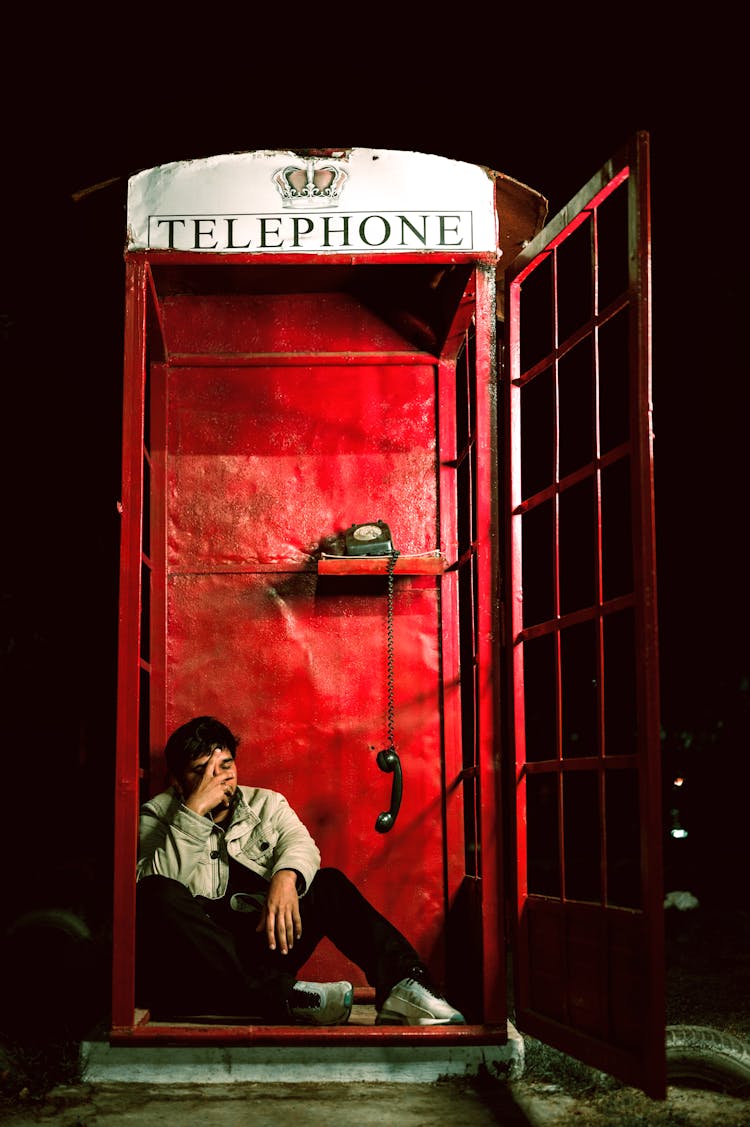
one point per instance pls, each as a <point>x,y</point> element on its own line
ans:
<point>315,183</point>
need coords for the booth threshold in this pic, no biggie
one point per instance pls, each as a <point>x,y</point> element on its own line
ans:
<point>405,1054</point>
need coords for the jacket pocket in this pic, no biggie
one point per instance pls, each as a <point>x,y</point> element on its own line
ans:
<point>204,881</point>
<point>259,847</point>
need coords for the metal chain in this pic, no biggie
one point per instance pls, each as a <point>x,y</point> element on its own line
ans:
<point>389,639</point>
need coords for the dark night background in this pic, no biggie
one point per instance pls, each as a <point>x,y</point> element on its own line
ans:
<point>89,108</point>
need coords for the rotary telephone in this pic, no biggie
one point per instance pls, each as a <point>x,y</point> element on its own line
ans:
<point>374,539</point>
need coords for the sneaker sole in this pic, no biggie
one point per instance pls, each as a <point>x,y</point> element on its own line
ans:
<point>390,1017</point>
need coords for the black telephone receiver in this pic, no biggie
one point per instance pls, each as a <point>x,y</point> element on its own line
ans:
<point>373,539</point>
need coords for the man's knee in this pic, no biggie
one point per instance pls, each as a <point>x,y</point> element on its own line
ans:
<point>331,876</point>
<point>332,882</point>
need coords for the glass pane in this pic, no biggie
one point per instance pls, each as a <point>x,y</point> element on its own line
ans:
<point>582,836</point>
<point>147,508</point>
<point>623,839</point>
<point>536,315</point>
<point>540,697</point>
<point>145,612</point>
<point>537,434</point>
<point>620,713</point>
<point>617,536</point>
<point>144,736</point>
<point>537,570</point>
<point>576,397</point>
<point>578,547</point>
<point>465,506</point>
<point>614,383</point>
<point>542,824</point>
<point>472,859</point>
<point>578,674</point>
<point>575,305</point>
<point>612,232</point>
<point>468,665</point>
<point>463,423</point>
<point>150,441</point>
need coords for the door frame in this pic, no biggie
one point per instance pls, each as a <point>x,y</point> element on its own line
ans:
<point>642,1062</point>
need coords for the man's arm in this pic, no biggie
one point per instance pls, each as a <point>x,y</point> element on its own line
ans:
<point>295,847</point>
<point>172,845</point>
<point>296,860</point>
<point>280,919</point>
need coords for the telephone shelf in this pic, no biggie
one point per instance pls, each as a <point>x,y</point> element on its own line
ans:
<point>430,564</point>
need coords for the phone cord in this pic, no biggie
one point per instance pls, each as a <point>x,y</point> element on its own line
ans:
<point>389,638</point>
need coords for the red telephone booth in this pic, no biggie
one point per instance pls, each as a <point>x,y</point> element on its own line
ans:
<point>311,345</point>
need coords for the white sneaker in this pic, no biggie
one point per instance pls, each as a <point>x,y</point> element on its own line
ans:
<point>412,1003</point>
<point>321,1003</point>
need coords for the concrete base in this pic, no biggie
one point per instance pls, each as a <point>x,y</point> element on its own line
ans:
<point>218,1064</point>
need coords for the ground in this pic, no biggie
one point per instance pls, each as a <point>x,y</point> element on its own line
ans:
<point>708,983</point>
<point>359,1105</point>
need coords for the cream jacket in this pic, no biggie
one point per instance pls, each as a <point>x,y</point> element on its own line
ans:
<point>264,834</point>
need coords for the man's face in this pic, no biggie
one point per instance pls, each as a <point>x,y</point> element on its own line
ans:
<point>219,764</point>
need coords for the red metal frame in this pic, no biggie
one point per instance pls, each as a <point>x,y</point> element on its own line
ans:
<point>335,1035</point>
<point>487,658</point>
<point>599,1022</point>
<point>146,371</point>
<point>128,697</point>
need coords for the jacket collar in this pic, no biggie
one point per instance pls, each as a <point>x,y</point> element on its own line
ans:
<point>241,813</point>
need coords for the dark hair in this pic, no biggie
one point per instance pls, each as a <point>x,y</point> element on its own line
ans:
<point>197,737</point>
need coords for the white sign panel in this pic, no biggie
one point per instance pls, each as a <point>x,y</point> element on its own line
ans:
<point>360,200</point>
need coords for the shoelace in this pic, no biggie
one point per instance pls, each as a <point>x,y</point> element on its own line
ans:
<point>426,986</point>
<point>304,1000</point>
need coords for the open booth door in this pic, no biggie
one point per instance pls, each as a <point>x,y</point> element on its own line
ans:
<point>583,645</point>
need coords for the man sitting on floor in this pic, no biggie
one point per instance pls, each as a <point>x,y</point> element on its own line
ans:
<point>231,902</point>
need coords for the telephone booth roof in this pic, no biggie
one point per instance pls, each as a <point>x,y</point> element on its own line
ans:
<point>350,201</point>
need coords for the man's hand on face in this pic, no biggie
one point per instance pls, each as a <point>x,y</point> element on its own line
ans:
<point>209,784</point>
<point>280,918</point>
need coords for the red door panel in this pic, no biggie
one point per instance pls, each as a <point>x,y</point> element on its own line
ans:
<point>583,631</point>
<point>265,464</point>
<point>295,663</point>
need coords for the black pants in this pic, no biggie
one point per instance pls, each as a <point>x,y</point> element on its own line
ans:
<point>200,956</point>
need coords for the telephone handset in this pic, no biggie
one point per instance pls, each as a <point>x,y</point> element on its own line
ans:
<point>374,539</point>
